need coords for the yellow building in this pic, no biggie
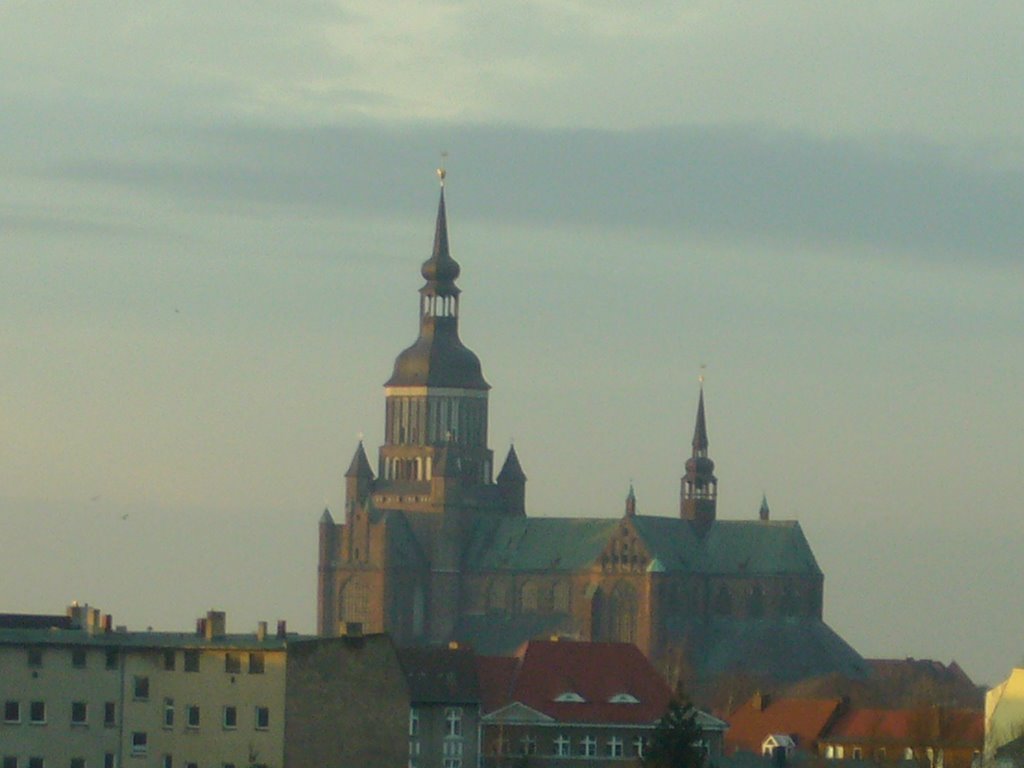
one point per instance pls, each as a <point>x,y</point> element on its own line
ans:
<point>1004,721</point>
<point>78,693</point>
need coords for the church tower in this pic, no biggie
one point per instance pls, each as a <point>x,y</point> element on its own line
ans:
<point>436,398</point>
<point>395,564</point>
<point>699,488</point>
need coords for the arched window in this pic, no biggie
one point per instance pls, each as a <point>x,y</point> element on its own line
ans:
<point>497,596</point>
<point>622,610</point>
<point>560,597</point>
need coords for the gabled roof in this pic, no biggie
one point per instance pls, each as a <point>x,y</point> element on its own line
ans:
<point>596,671</point>
<point>440,675</point>
<point>569,544</point>
<point>761,716</point>
<point>728,546</point>
<point>538,543</point>
<point>926,726</point>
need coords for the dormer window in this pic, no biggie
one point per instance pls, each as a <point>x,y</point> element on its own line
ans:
<point>623,698</point>
<point>570,696</point>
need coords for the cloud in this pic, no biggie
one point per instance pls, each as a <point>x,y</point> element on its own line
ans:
<point>730,184</point>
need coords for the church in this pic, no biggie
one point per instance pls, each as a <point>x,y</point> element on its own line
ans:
<point>434,547</point>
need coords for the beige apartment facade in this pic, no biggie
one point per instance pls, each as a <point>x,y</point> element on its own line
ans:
<point>77,693</point>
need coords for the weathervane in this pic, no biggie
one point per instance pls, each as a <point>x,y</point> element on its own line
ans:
<point>441,172</point>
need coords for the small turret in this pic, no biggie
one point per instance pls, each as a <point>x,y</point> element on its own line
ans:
<point>358,480</point>
<point>764,513</point>
<point>512,483</point>
<point>631,502</point>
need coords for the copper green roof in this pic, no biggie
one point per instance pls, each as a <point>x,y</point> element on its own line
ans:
<point>728,547</point>
<point>568,544</point>
<point>538,543</point>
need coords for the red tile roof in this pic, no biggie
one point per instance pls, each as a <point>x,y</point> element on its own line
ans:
<point>595,671</point>
<point>911,727</point>
<point>803,719</point>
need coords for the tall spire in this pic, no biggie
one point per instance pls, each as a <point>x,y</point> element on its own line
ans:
<point>698,492</point>
<point>441,267</point>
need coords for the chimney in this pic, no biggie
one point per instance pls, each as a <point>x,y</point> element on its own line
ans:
<point>108,622</point>
<point>282,629</point>
<point>201,627</point>
<point>261,631</point>
<point>216,625</point>
<point>761,701</point>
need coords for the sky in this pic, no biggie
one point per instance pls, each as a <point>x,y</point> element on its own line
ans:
<point>212,217</point>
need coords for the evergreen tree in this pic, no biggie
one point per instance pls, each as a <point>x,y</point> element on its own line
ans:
<point>676,741</point>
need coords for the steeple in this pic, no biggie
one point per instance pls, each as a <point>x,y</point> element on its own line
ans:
<point>698,491</point>
<point>630,502</point>
<point>436,398</point>
<point>438,358</point>
<point>512,483</point>
<point>764,513</point>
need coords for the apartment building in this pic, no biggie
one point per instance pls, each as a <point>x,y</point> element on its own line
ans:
<point>78,693</point>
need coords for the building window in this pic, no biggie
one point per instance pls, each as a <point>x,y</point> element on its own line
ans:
<point>453,721</point>
<point>10,761</point>
<point>615,747</point>
<point>37,712</point>
<point>880,755</point>
<point>562,746</point>
<point>77,762</point>
<point>856,753</point>
<point>232,662</point>
<point>78,658</point>
<point>168,761</point>
<point>639,746</point>
<point>528,745</point>
<point>169,660</point>
<point>140,743</point>
<point>109,713</point>
<point>79,713</point>
<point>256,663</point>
<point>830,752</point>
<point>839,752</point>
<point>109,761</point>
<point>191,765</point>
<point>414,722</point>
<point>12,711</point>
<point>36,762</point>
<point>588,746</point>
<point>168,713</point>
<point>140,688</point>
<point>191,661</point>
<point>35,657</point>
<point>452,754</point>
<point>230,717</point>
<point>111,659</point>
<point>192,715</point>
<point>908,753</point>
<point>262,718</point>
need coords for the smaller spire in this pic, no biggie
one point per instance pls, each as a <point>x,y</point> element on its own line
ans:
<point>631,501</point>
<point>360,466</point>
<point>764,513</point>
<point>511,470</point>
<point>700,429</point>
<point>326,518</point>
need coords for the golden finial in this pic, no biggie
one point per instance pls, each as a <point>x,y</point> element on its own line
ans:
<point>441,172</point>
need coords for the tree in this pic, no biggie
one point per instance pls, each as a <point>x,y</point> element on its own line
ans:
<point>676,741</point>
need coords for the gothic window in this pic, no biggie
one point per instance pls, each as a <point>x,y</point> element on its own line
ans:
<point>622,610</point>
<point>497,596</point>
<point>788,602</point>
<point>355,601</point>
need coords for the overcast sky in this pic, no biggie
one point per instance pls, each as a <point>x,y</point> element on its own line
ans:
<point>212,217</point>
